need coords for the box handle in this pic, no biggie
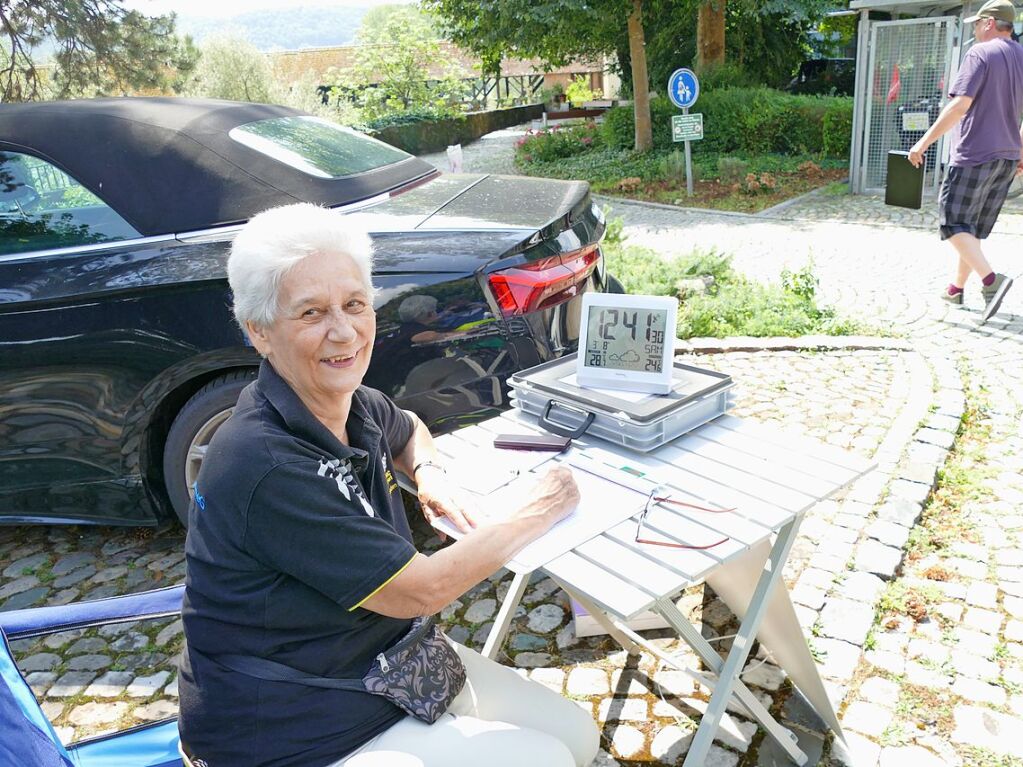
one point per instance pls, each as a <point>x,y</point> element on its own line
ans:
<point>555,428</point>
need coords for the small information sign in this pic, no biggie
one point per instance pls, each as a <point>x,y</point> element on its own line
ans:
<point>687,127</point>
<point>916,121</point>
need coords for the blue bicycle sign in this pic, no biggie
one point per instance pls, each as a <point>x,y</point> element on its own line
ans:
<point>683,88</point>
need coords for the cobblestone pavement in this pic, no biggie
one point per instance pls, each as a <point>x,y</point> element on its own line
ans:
<point>941,690</point>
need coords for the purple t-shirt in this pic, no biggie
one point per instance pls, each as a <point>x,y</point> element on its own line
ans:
<point>992,75</point>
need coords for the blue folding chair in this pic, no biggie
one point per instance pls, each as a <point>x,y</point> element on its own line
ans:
<point>29,739</point>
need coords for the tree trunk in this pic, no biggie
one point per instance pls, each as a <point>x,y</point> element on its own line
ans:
<point>640,83</point>
<point>710,33</point>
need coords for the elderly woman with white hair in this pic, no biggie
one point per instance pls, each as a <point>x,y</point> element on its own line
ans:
<point>303,587</point>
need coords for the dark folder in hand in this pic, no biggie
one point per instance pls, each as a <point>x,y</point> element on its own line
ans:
<point>905,184</point>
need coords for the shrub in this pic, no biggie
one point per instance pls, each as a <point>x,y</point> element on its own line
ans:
<point>725,75</point>
<point>673,167</point>
<point>579,91</point>
<point>731,170</point>
<point>837,124</point>
<point>747,120</point>
<point>554,143</point>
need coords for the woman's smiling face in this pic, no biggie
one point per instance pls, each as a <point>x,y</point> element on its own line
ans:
<point>322,339</point>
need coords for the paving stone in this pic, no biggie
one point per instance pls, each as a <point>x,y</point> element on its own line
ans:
<point>145,686</point>
<point>171,690</point>
<point>91,714</point>
<point>1014,631</point>
<point>874,557</point>
<point>52,709</point>
<point>481,610</point>
<point>451,610</point>
<point>857,751</point>
<point>847,620</point>
<point>902,756</point>
<point>910,491</point>
<point>108,574</point>
<point>158,709</point>
<point>110,685</point>
<point>982,594</point>
<point>588,681</point>
<point>881,691</point>
<point>764,675</point>
<point>87,645</point>
<point>809,596</point>
<point>533,659</point>
<point>43,661</point>
<point>75,577</point>
<point>18,568</point>
<point>770,754</point>
<point>924,676</point>
<point>670,744</point>
<point>627,741</point>
<point>40,681</point>
<point>545,618</point>
<point>458,634</point>
<point>839,658</point>
<point>17,586</point>
<point>480,636</point>
<point>928,650</point>
<point>868,718</point>
<point>69,562</point>
<point>979,619</point>
<point>975,641</point>
<point>978,692</point>
<point>861,587</point>
<point>70,684</point>
<point>130,642</point>
<point>88,662</point>
<point>901,511</point>
<point>523,641</point>
<point>169,633</point>
<point>623,709</point>
<point>984,728</point>
<point>27,598</point>
<point>967,664</point>
<point>889,533</point>
<point>719,757</point>
<point>62,638</point>
<point>552,678</point>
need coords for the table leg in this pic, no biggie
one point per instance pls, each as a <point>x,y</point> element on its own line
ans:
<point>745,697</point>
<point>495,639</point>
<point>728,675</point>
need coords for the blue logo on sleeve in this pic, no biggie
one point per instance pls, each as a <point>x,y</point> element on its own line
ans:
<point>200,501</point>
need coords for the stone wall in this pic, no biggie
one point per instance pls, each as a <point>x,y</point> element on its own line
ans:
<point>434,135</point>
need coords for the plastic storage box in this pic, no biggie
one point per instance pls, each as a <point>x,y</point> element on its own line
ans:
<point>638,421</point>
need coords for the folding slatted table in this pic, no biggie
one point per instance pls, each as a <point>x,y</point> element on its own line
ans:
<point>771,478</point>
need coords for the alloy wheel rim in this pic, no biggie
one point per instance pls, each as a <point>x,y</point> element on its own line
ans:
<point>198,447</point>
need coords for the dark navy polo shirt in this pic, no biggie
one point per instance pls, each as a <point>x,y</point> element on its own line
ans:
<point>291,531</point>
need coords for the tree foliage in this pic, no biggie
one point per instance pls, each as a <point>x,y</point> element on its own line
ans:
<point>402,58</point>
<point>90,47</point>
<point>231,68</point>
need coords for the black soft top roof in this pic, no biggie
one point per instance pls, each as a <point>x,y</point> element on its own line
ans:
<point>167,165</point>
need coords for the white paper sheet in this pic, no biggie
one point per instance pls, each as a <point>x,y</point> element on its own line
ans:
<point>602,504</point>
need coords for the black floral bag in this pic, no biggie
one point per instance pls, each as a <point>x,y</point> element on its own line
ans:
<point>420,673</point>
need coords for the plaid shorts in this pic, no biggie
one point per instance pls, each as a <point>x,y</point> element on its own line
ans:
<point>971,197</point>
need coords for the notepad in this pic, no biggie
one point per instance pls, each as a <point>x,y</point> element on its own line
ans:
<point>905,184</point>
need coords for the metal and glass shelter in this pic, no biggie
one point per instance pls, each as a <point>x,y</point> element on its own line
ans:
<point>904,67</point>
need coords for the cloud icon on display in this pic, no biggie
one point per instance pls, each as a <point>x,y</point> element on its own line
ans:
<point>630,356</point>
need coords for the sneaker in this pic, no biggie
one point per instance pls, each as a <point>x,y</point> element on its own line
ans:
<point>955,300</point>
<point>993,295</point>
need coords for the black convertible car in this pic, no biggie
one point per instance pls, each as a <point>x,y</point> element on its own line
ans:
<point>119,357</point>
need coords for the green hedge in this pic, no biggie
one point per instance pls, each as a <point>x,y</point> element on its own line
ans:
<point>753,120</point>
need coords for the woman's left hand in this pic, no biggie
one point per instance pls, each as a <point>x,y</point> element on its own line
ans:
<point>440,499</point>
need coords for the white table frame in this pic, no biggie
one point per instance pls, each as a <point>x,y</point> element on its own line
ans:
<point>777,478</point>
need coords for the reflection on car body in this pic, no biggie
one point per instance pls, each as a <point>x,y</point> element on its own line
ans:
<point>119,357</point>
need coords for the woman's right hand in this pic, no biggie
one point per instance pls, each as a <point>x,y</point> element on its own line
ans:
<point>554,497</point>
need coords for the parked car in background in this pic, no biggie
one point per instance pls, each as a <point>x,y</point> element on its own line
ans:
<point>829,77</point>
<point>119,357</point>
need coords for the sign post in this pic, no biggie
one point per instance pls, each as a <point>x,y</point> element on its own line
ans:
<point>683,90</point>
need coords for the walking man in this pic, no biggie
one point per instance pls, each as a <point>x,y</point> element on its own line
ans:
<point>987,148</point>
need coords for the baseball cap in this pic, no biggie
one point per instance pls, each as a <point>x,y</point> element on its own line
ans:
<point>1002,10</point>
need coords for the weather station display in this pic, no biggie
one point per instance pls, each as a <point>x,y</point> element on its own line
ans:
<point>625,339</point>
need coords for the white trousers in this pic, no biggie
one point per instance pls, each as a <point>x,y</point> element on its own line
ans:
<point>498,719</point>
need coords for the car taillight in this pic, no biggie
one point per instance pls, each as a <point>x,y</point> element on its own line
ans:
<point>543,283</point>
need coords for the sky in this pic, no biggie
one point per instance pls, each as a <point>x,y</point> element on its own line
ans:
<point>228,8</point>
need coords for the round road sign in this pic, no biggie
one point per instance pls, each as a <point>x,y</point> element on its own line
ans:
<point>683,88</point>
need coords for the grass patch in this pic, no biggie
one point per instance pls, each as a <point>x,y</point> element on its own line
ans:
<point>724,302</point>
<point>736,182</point>
<point>912,601</point>
<point>982,757</point>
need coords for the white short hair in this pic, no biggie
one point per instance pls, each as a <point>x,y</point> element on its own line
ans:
<point>273,241</point>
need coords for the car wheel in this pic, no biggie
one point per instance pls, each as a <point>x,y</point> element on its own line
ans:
<point>613,285</point>
<point>190,434</point>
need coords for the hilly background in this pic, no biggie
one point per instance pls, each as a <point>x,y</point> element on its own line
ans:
<point>285,29</point>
